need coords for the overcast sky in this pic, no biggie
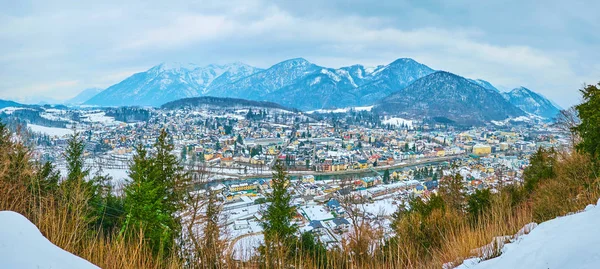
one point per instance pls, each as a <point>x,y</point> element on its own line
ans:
<point>56,49</point>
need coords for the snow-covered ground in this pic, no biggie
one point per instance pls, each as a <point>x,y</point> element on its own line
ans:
<point>23,246</point>
<point>398,122</point>
<point>565,242</point>
<point>384,207</point>
<point>51,131</point>
<point>9,110</point>
<point>246,247</point>
<point>341,110</point>
<point>316,212</point>
<point>99,117</point>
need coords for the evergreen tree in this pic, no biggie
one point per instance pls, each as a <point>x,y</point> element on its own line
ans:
<point>451,190</point>
<point>478,203</point>
<point>589,128</point>
<point>46,179</point>
<point>541,166</point>
<point>184,153</point>
<point>144,205</point>
<point>169,174</point>
<point>155,195</point>
<point>75,161</point>
<point>278,229</point>
<point>107,208</point>
<point>386,176</point>
<point>314,249</point>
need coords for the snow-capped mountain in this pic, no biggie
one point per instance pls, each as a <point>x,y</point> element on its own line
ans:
<point>446,95</point>
<point>484,84</point>
<point>168,82</point>
<point>385,80</point>
<point>532,102</point>
<point>260,84</point>
<point>83,96</point>
<point>294,83</point>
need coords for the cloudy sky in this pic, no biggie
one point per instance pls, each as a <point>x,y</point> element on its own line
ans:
<point>55,49</point>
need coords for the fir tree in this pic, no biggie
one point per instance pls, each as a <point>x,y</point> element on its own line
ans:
<point>478,203</point>
<point>75,161</point>
<point>145,205</point>
<point>589,128</point>
<point>155,194</point>
<point>451,190</point>
<point>278,229</point>
<point>541,167</point>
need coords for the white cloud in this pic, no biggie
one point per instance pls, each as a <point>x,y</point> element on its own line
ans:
<point>96,44</point>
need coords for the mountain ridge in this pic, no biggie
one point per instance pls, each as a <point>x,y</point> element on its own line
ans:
<point>446,95</point>
<point>532,102</point>
<point>346,86</point>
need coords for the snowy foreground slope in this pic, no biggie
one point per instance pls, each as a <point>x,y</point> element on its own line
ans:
<point>22,246</point>
<point>571,241</point>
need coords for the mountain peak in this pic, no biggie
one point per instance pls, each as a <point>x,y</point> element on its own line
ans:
<point>404,61</point>
<point>172,67</point>
<point>532,102</point>
<point>295,61</point>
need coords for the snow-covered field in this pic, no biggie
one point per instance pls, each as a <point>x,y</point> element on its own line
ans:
<point>398,122</point>
<point>565,242</point>
<point>246,247</point>
<point>51,131</point>
<point>99,117</point>
<point>23,246</point>
<point>341,110</point>
<point>316,212</point>
<point>385,207</point>
<point>9,110</point>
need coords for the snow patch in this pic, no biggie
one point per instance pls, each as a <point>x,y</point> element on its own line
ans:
<point>341,110</point>
<point>565,242</point>
<point>23,246</point>
<point>398,122</point>
<point>51,131</point>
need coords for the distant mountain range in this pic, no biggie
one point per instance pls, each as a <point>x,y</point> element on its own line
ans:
<point>403,87</point>
<point>294,83</point>
<point>169,82</point>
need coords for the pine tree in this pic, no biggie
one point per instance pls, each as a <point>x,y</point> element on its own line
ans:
<point>46,179</point>
<point>589,128</point>
<point>75,161</point>
<point>278,229</point>
<point>155,194</point>
<point>541,167</point>
<point>478,203</point>
<point>144,205</point>
<point>451,189</point>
